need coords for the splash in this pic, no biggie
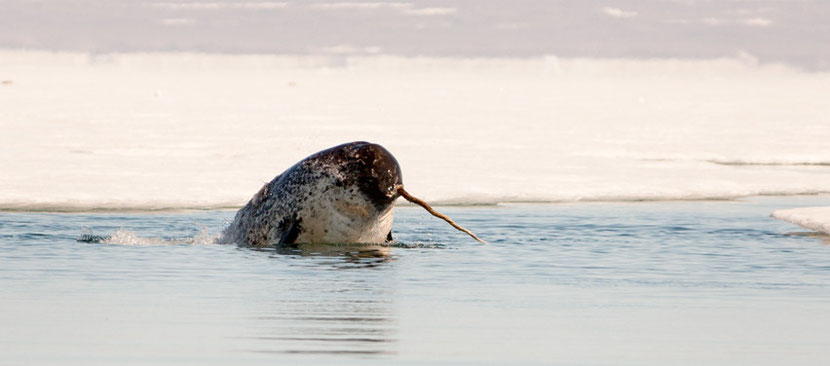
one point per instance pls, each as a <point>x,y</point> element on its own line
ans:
<point>127,237</point>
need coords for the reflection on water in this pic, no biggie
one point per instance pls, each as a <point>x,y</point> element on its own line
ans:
<point>825,238</point>
<point>351,252</point>
<point>328,311</point>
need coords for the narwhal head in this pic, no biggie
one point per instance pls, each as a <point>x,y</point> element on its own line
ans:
<point>372,169</point>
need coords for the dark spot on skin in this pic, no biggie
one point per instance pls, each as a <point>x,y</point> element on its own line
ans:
<point>290,228</point>
<point>89,238</point>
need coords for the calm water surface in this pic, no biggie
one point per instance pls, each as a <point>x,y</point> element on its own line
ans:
<point>605,283</point>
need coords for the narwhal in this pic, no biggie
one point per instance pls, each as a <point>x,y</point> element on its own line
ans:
<point>341,195</point>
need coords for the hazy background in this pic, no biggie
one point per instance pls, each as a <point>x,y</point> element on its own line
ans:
<point>793,31</point>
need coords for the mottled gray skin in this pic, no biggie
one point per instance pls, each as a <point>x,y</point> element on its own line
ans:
<point>340,195</point>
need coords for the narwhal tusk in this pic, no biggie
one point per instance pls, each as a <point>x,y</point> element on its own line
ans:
<point>437,214</point>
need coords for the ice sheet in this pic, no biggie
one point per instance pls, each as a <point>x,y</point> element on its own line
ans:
<point>165,130</point>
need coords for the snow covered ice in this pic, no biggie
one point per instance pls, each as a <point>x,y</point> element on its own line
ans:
<point>177,130</point>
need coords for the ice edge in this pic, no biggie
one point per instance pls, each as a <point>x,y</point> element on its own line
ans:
<point>813,218</point>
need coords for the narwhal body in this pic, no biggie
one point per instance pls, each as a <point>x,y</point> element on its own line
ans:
<point>344,194</point>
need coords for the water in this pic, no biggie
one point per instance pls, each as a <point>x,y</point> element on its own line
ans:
<point>717,282</point>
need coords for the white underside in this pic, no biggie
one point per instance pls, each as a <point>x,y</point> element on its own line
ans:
<point>340,217</point>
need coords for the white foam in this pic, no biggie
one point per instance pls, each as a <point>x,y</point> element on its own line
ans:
<point>153,131</point>
<point>131,238</point>
<point>813,218</point>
